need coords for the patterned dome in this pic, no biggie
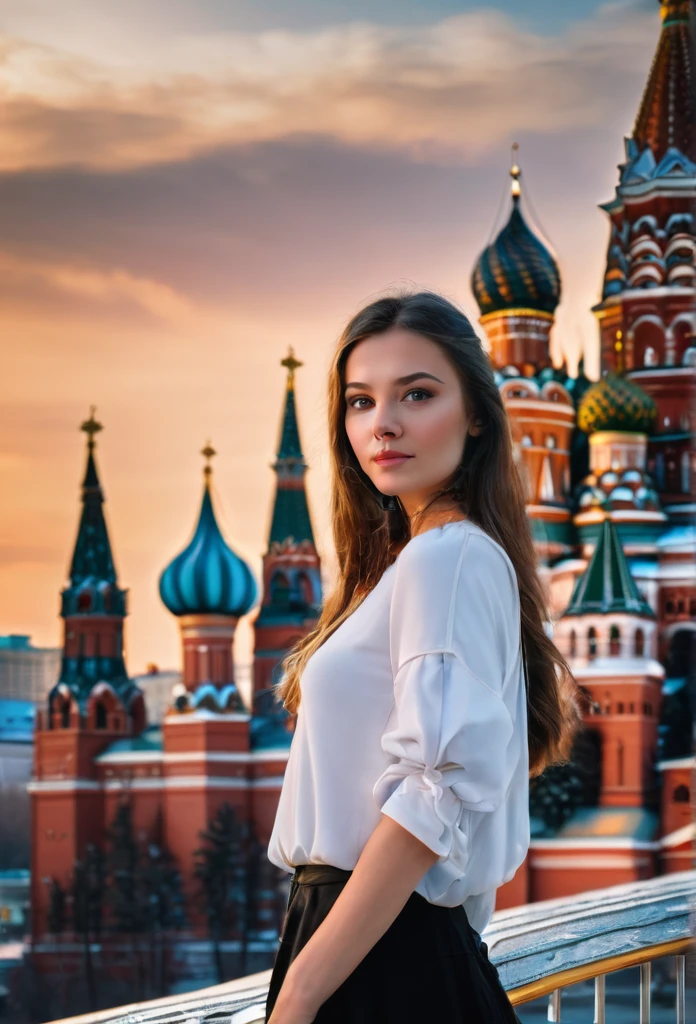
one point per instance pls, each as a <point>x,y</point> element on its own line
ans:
<point>614,403</point>
<point>208,577</point>
<point>516,271</point>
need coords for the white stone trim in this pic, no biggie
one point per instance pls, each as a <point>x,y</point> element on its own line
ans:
<point>62,785</point>
<point>204,715</point>
<point>685,834</point>
<point>677,762</point>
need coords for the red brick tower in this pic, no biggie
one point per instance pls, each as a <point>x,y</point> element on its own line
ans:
<point>206,735</point>
<point>609,633</point>
<point>646,315</point>
<point>93,703</point>
<point>291,565</point>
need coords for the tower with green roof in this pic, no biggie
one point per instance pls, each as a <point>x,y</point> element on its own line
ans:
<point>291,566</point>
<point>609,633</point>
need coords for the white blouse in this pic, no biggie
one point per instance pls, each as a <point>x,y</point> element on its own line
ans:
<point>415,707</point>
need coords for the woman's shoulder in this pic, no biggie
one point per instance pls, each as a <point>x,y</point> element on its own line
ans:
<point>453,586</point>
<point>445,548</point>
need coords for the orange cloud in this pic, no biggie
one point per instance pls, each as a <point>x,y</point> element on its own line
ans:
<point>448,91</point>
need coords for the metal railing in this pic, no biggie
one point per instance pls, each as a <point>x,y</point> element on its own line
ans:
<point>538,949</point>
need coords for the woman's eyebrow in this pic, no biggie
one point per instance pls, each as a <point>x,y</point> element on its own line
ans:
<point>399,380</point>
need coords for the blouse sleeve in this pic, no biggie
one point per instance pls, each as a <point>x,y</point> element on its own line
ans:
<point>453,634</point>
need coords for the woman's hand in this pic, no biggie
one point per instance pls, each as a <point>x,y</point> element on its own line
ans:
<point>291,1007</point>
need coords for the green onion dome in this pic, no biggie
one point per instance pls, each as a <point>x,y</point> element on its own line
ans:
<point>516,271</point>
<point>615,403</point>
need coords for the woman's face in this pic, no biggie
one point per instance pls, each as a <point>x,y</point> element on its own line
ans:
<point>403,394</point>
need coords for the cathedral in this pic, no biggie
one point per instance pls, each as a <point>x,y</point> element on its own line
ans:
<point>609,468</point>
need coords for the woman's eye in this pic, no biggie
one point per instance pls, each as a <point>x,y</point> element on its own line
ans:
<point>364,398</point>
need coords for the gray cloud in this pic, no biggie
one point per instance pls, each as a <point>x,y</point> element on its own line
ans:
<point>449,91</point>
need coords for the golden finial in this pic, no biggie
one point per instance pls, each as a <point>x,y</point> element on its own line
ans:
<point>90,426</point>
<point>515,172</point>
<point>292,364</point>
<point>208,452</point>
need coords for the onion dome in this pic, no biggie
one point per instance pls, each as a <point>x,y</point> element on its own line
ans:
<point>516,271</point>
<point>208,577</point>
<point>615,403</point>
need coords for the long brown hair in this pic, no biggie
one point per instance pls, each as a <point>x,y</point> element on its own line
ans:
<point>487,489</point>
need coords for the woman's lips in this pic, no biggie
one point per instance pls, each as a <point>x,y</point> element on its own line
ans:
<point>393,461</point>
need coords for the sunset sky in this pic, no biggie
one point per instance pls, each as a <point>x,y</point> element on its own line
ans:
<point>188,186</point>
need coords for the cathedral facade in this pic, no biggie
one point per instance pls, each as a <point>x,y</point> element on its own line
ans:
<point>610,470</point>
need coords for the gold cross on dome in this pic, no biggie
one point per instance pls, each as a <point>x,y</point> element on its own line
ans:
<point>208,452</point>
<point>91,426</point>
<point>292,364</point>
<point>515,171</point>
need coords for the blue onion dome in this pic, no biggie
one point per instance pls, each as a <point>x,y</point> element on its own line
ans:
<point>516,271</point>
<point>208,577</point>
<point>615,403</point>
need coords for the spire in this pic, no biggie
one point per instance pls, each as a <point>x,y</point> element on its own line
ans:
<point>289,446</point>
<point>92,556</point>
<point>607,586</point>
<point>290,512</point>
<point>667,115</point>
<point>515,173</point>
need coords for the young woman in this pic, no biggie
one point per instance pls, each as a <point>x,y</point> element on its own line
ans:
<point>404,804</point>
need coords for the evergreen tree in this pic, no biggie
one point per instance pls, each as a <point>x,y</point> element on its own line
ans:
<point>218,866</point>
<point>159,882</point>
<point>57,909</point>
<point>123,862</point>
<point>561,789</point>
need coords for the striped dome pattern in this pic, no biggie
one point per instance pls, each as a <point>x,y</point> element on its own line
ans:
<point>208,577</point>
<point>516,271</point>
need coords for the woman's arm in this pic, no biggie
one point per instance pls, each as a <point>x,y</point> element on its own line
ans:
<point>388,870</point>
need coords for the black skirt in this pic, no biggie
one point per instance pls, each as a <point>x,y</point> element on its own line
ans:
<point>429,965</point>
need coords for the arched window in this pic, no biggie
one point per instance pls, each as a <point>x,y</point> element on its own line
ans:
<point>620,762</point>
<point>84,601</point>
<point>614,641</point>
<point>592,642</point>
<point>669,607</point>
<point>280,588</point>
<point>639,643</point>
<point>685,475</point>
<point>573,643</point>
<point>304,588</point>
<point>620,708</point>
<point>65,716</point>
<point>681,795</point>
<point>660,470</point>
<point>99,716</point>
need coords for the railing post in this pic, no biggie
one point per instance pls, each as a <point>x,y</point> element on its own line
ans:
<point>554,1010</point>
<point>645,993</point>
<point>681,988</point>
<point>600,988</point>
